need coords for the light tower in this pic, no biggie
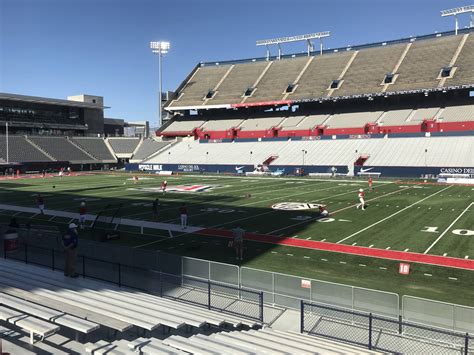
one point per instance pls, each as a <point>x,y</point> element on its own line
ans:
<point>161,48</point>
<point>459,10</point>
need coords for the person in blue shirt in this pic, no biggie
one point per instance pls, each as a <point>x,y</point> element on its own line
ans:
<point>69,242</point>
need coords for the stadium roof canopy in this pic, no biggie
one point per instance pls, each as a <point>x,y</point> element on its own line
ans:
<point>49,101</point>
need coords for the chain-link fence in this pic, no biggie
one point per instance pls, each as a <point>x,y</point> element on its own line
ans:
<point>376,332</point>
<point>288,290</point>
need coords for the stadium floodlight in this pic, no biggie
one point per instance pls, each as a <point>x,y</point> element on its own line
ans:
<point>6,143</point>
<point>457,11</point>
<point>307,37</point>
<point>161,48</point>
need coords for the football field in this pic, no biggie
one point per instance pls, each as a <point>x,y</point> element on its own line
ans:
<point>285,232</point>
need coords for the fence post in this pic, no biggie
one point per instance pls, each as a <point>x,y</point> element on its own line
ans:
<point>261,306</point>
<point>83,266</point>
<point>208,294</point>
<point>161,283</point>
<point>52,259</point>
<point>370,331</point>
<point>400,325</point>
<point>466,344</point>
<point>119,274</point>
<point>26,253</point>
<point>302,317</point>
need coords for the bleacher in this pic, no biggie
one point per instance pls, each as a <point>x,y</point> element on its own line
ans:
<point>239,79</point>
<point>260,124</point>
<point>61,149</point>
<point>123,147</point>
<point>416,64</point>
<point>221,125</point>
<point>20,150</point>
<point>95,147</point>
<point>444,151</point>
<point>352,119</point>
<point>148,147</point>
<point>275,81</point>
<point>204,79</point>
<point>462,113</point>
<point>183,126</point>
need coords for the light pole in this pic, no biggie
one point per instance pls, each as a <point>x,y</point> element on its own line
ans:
<point>304,153</point>
<point>7,147</point>
<point>160,48</point>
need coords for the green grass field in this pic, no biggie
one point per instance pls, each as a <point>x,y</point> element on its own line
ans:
<point>405,216</point>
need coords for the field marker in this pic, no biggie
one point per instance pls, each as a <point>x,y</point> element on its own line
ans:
<point>427,274</point>
<point>342,262</point>
<point>447,229</point>
<point>466,257</point>
<point>274,252</point>
<point>289,254</point>
<point>323,240</point>
<point>354,243</point>
<point>306,257</point>
<point>371,245</point>
<point>406,249</point>
<point>308,238</point>
<point>382,268</point>
<point>324,259</point>
<point>453,278</point>
<point>363,265</point>
<point>445,254</point>
<point>387,248</point>
<point>392,215</point>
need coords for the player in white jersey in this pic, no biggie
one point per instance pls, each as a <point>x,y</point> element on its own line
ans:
<point>361,199</point>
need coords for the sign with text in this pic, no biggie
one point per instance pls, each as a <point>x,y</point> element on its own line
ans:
<point>305,283</point>
<point>404,269</point>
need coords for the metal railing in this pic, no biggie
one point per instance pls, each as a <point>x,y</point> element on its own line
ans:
<point>212,295</point>
<point>376,332</point>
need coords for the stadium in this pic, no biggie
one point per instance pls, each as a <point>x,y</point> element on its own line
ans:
<point>316,202</point>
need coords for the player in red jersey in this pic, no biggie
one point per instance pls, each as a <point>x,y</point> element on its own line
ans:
<point>323,211</point>
<point>183,213</point>
<point>164,184</point>
<point>361,199</point>
<point>370,182</point>
<point>82,215</point>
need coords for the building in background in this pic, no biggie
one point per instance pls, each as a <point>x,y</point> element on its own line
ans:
<point>79,115</point>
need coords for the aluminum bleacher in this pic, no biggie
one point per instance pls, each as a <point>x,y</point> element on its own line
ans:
<point>353,119</point>
<point>148,147</point>
<point>221,124</point>
<point>62,149</point>
<point>444,151</point>
<point>462,113</point>
<point>183,126</point>
<point>464,65</point>
<point>123,147</point>
<point>95,147</point>
<point>20,150</point>
<point>259,124</point>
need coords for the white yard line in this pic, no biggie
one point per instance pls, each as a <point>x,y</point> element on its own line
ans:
<point>337,211</point>
<point>392,215</point>
<point>447,229</point>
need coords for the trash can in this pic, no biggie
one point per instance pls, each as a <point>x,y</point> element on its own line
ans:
<point>10,241</point>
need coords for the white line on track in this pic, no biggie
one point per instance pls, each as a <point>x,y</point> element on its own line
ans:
<point>447,229</point>
<point>392,215</point>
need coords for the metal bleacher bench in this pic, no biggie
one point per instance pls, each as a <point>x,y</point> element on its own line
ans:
<point>31,324</point>
<point>78,324</point>
<point>152,346</point>
<point>103,347</point>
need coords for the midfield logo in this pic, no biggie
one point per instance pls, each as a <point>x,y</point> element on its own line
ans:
<point>295,206</point>
<point>179,188</point>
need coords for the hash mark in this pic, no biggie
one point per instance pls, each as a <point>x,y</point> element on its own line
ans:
<point>306,257</point>
<point>323,240</point>
<point>354,243</point>
<point>445,254</point>
<point>382,268</point>
<point>387,248</point>
<point>342,262</point>
<point>363,265</point>
<point>406,249</point>
<point>453,278</point>
<point>274,252</point>
<point>324,259</point>
<point>308,238</point>
<point>427,274</point>
<point>466,257</point>
<point>371,245</point>
<point>289,254</point>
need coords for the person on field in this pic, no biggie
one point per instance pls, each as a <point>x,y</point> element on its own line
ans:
<point>40,202</point>
<point>361,203</point>
<point>82,214</point>
<point>183,212</point>
<point>323,211</point>
<point>239,235</point>
<point>69,242</point>
<point>164,185</point>
<point>155,208</point>
<point>370,183</point>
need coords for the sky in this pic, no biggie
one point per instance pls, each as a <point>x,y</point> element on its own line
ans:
<point>58,48</point>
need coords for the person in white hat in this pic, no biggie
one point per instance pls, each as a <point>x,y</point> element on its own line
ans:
<point>361,199</point>
<point>69,242</point>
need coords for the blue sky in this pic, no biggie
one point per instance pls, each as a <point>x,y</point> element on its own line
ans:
<point>56,48</point>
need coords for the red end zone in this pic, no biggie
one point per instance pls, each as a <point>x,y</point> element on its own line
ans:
<point>349,249</point>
